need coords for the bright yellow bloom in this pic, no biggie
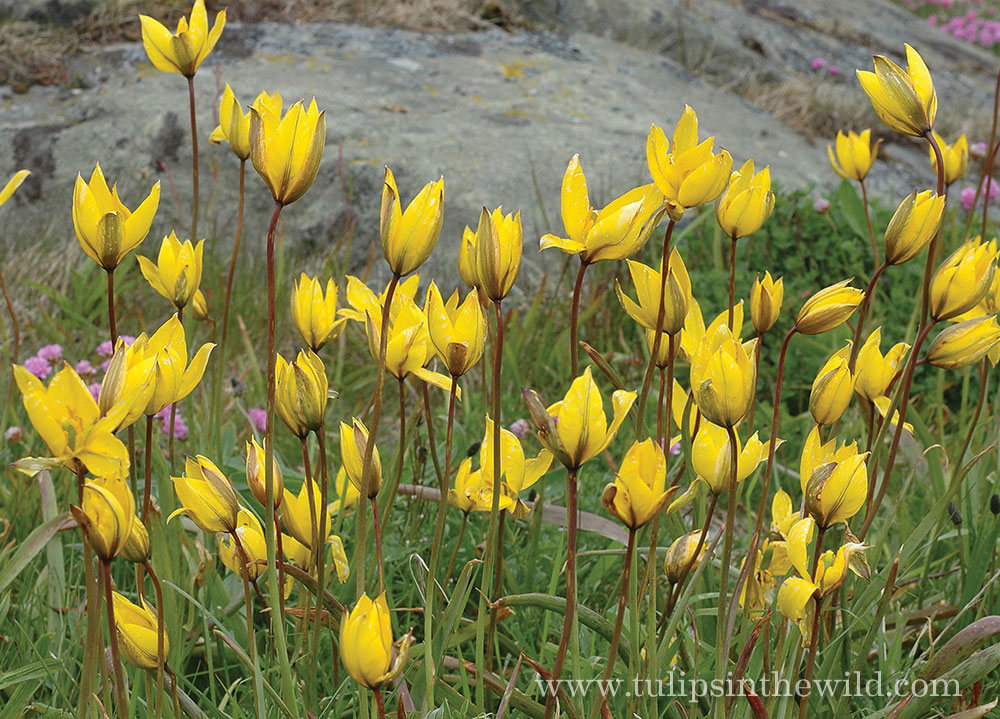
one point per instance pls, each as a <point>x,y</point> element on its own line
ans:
<point>746,203</point>
<point>832,388</point>
<point>286,151</point>
<point>468,488</point>
<point>106,514</point>
<point>913,226</point>
<point>347,495</point>
<point>575,429</point>
<point>457,331</point>
<point>366,643</point>
<point>834,479</point>
<point>136,547</point>
<point>182,52</point>
<point>828,308</point>
<point>315,314</point>
<point>955,156</point>
<point>875,371</point>
<point>128,385</point>
<point>409,347</point>
<point>681,553</point>
<point>854,154</point>
<point>408,237</point>
<point>662,358</point>
<point>692,174</point>
<point>234,123</point>
<point>759,586</point>
<point>724,378</point>
<point>640,490</point>
<point>963,279</point>
<point>175,378</point>
<point>297,516</point>
<point>695,331</point>
<point>69,421</point>
<point>647,291</point>
<point>251,539</point>
<point>517,473</point>
<point>137,633</point>
<point>882,405</point>
<point>712,458</point>
<point>12,184</point>
<point>301,392</point>
<point>499,241</point>
<point>364,302</point>
<point>105,228</point>
<point>467,258</point>
<point>256,457</point>
<point>206,496</point>
<point>765,302</point>
<point>618,231</point>
<point>176,273</point>
<point>353,441</point>
<point>199,306</point>
<point>964,344</point>
<point>905,100</point>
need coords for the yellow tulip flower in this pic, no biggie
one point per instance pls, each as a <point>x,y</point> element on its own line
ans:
<point>251,540</point>
<point>499,240</point>
<point>724,377</point>
<point>517,473</point>
<point>647,283</point>
<point>409,237</point>
<point>182,52</point>
<point>955,156</point>
<point>136,547</point>
<point>175,378</point>
<point>711,457</point>
<point>834,479</point>
<point>691,174</point>
<point>128,385</point>
<point>12,184</point>
<point>964,344</point>
<point>315,314</point>
<point>575,429</point>
<point>746,203</point>
<point>457,331</point>
<point>353,441</point>
<point>759,586</point>
<point>409,347</point>
<point>137,633</point>
<point>234,124</point>
<point>105,228</point>
<point>694,330</point>
<point>301,392</point>
<point>286,151</point>
<point>199,306</point>
<point>963,279</point>
<point>468,488</point>
<point>662,359</point>
<point>467,259</point>
<point>206,496</point>
<point>832,388</point>
<point>795,602</point>
<point>904,100</point>
<point>176,273</point>
<point>882,405</point>
<point>255,458</point>
<point>618,231</point>
<point>347,495</point>
<point>875,371</point>
<point>363,302</point>
<point>765,302</point>
<point>366,643</point>
<point>854,154</point>
<point>680,554</point>
<point>640,489</point>
<point>106,514</point>
<point>828,308</point>
<point>69,421</point>
<point>913,225</point>
<point>297,516</point>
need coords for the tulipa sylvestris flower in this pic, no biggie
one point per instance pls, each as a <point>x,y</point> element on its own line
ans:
<point>963,279</point>
<point>137,633</point>
<point>905,100</point>
<point>457,331</point>
<point>106,514</point>
<point>409,345</point>
<point>765,302</point>
<point>69,421</point>
<point>206,496</point>
<point>345,491</point>
<point>314,313</point>
<point>234,123</point>
<point>499,241</point>
<point>964,344</point>
<point>853,154</point>
<point>296,516</point>
<point>286,150</point>
<point>255,474</point>
<point>468,487</point>
<point>251,539</point>
<point>913,225</point>
<point>105,228</point>
<point>517,472</point>
<point>711,457</point>
<point>363,302</point>
<point>647,290</point>
<point>832,388</point>
<point>680,554</point>
<point>694,330</point>
<point>467,259</point>
<point>955,156</point>
<point>834,479</point>
<point>199,306</point>
<point>301,392</point>
<point>353,440</point>
<point>575,429</point>
<point>746,203</point>
<point>640,490</point>
<point>615,232</point>
<point>175,378</point>
<point>691,174</point>
<point>128,385</point>
<point>874,372</point>
<point>408,237</point>
<point>366,643</point>
<point>12,184</point>
<point>182,52</point>
<point>829,308</point>
<point>136,547</point>
<point>176,273</point>
<point>723,377</point>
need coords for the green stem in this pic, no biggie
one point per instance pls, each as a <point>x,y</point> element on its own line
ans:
<point>258,682</point>
<point>721,656</point>
<point>116,659</point>
<point>573,319</point>
<point>312,691</point>
<point>378,546</point>
<point>868,220</point>
<point>112,320</point>
<point>569,616</point>
<point>932,247</point>
<point>814,634</point>
<point>90,648</point>
<point>173,410</point>
<point>147,487</point>
<point>161,655</point>
<point>194,162</point>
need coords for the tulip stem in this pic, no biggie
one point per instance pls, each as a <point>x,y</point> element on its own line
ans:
<point>659,405</point>
<point>868,220</point>
<point>379,703</point>
<point>324,489</point>
<point>616,634</point>
<point>311,691</point>
<point>573,319</point>
<point>147,499</point>
<point>116,659</point>
<point>814,633</point>
<point>932,247</point>
<point>721,655</point>
<point>732,284</point>
<point>400,454</point>
<point>756,373</point>
<point>161,655</point>
<point>258,684</point>
<point>431,442</point>
<point>866,302</point>
<point>377,529</point>
<point>93,612</point>
<point>570,614</point>
<point>640,420</point>
<point>112,324</point>
<point>194,161</point>
<point>16,329</point>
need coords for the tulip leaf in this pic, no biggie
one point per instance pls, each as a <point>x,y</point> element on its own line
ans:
<point>963,675</point>
<point>852,209</point>
<point>31,547</point>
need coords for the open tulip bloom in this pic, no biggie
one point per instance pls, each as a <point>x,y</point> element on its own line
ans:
<point>184,50</point>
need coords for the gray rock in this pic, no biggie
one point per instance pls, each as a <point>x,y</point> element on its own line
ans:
<point>62,13</point>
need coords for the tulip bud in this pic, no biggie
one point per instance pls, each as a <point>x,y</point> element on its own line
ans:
<point>913,225</point>
<point>498,252</point>
<point>964,344</point>
<point>854,155</point>
<point>176,273</point>
<point>724,378</point>
<point>107,514</point>
<point>963,279</point>
<point>874,373</point>
<point>366,643</point>
<point>955,156</point>
<point>711,457</point>
<point>286,151</point>
<point>639,491</point>
<point>353,443</point>
<point>834,480</point>
<point>256,458</point>
<point>301,392</point>
<point>747,202</point>
<point>234,124</point>
<point>206,496</point>
<point>244,554</point>
<point>467,258</point>
<point>138,636</point>
<point>765,302</point>
<point>680,555</point>
<point>828,308</point>
<point>832,388</point>
<point>136,547</point>
<point>904,100</point>
<point>408,237</point>
<point>199,307</point>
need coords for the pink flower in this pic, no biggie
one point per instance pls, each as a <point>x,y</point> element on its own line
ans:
<point>51,353</point>
<point>180,428</point>
<point>95,389</point>
<point>520,428</point>
<point>834,70</point>
<point>989,188</point>
<point>105,349</point>
<point>85,369</point>
<point>38,366</point>
<point>977,150</point>
<point>13,434</point>
<point>968,198</point>
<point>818,63</point>
<point>821,205</point>
<point>258,418</point>
<point>129,340</point>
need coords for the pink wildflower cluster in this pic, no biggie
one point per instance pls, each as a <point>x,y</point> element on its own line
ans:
<point>989,190</point>
<point>820,64</point>
<point>973,21</point>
